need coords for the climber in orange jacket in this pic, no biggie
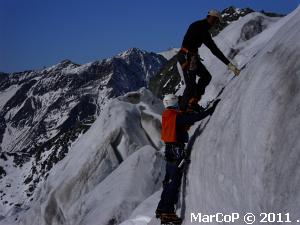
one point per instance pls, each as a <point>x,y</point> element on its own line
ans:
<point>175,125</point>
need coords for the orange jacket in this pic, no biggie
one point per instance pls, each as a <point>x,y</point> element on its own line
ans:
<point>168,132</point>
<point>175,124</point>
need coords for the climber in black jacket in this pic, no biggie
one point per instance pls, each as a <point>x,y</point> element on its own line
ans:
<point>198,33</point>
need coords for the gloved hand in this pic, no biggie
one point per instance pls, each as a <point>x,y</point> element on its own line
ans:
<point>213,107</point>
<point>234,69</point>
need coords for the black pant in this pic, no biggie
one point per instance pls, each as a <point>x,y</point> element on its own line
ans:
<point>192,67</point>
<point>171,184</point>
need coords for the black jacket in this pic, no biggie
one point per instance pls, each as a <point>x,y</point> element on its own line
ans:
<point>198,33</point>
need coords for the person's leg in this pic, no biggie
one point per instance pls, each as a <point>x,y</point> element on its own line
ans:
<point>188,93</point>
<point>175,184</point>
<point>169,197</point>
<point>189,79</point>
<point>168,157</point>
<point>204,80</point>
<point>166,203</point>
<point>194,97</point>
<point>170,193</point>
<point>166,179</point>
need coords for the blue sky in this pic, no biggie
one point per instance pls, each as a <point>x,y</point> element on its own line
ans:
<point>37,33</point>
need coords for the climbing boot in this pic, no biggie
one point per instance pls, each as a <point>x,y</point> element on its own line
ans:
<point>167,218</point>
<point>158,213</point>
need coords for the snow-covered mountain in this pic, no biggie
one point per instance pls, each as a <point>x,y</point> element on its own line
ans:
<point>43,112</point>
<point>244,158</point>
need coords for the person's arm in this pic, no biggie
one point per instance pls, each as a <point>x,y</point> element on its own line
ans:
<point>191,118</point>
<point>209,42</point>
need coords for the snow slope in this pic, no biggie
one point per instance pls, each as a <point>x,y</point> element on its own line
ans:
<point>246,159</point>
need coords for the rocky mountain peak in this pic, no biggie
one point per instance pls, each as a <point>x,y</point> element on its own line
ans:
<point>135,51</point>
<point>67,62</point>
<point>232,13</point>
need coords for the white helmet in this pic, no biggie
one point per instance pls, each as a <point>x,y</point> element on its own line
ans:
<point>215,13</point>
<point>170,100</point>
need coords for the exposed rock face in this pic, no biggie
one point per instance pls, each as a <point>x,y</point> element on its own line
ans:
<point>252,28</point>
<point>229,15</point>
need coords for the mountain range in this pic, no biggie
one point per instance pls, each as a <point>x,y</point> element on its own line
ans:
<point>43,112</point>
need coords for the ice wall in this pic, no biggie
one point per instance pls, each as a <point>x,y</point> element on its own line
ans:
<point>247,157</point>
